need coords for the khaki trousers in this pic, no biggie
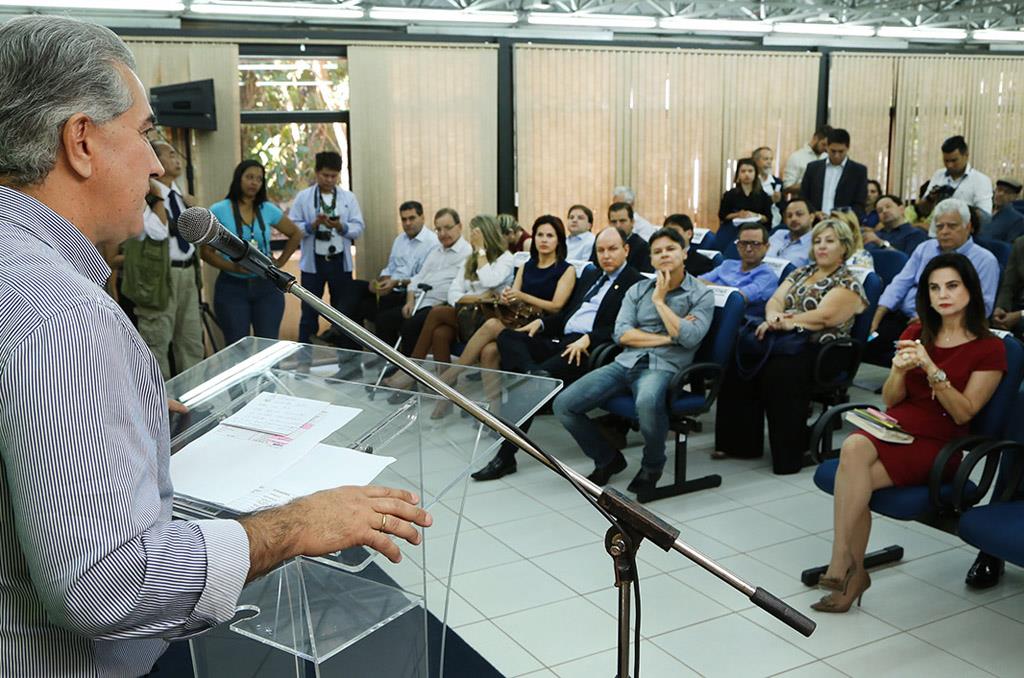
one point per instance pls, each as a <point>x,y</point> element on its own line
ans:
<point>178,326</point>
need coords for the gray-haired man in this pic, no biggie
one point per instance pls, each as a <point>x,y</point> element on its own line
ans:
<point>95,574</point>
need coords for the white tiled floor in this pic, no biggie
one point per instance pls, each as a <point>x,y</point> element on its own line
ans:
<point>535,594</point>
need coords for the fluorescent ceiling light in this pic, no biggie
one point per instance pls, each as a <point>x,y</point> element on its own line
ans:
<point>443,15</point>
<point>257,9</point>
<point>992,35</point>
<point>594,20</point>
<point>679,23</point>
<point>852,30</point>
<point>118,5</point>
<point>921,33</point>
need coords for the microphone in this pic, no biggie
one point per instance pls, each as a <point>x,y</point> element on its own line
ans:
<point>199,226</point>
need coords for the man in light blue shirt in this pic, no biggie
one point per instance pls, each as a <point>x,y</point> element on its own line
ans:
<point>408,252</point>
<point>755,279</point>
<point>897,305</point>
<point>794,242</point>
<point>660,325</point>
<point>331,221</point>
<point>580,241</point>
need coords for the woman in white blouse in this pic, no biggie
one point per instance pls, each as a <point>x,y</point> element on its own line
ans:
<point>488,270</point>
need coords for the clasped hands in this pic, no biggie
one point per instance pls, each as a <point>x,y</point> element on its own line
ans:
<point>911,354</point>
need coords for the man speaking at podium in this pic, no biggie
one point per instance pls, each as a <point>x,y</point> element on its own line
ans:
<point>94,575</point>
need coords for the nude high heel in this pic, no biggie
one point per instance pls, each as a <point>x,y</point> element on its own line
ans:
<point>839,602</point>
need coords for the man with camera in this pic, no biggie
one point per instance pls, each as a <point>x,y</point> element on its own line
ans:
<point>331,221</point>
<point>957,180</point>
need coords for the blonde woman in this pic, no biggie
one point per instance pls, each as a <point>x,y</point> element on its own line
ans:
<point>818,301</point>
<point>860,258</point>
<point>488,271</point>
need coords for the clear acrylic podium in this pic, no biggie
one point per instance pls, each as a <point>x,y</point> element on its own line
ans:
<point>352,613</point>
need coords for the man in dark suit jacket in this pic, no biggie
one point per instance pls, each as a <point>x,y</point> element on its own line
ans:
<point>836,182</point>
<point>620,215</point>
<point>557,346</point>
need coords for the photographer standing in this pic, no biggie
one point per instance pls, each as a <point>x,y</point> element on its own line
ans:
<point>331,221</point>
<point>957,180</point>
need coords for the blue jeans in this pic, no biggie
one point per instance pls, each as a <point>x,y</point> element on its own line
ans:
<point>243,302</point>
<point>595,388</point>
<point>329,274</point>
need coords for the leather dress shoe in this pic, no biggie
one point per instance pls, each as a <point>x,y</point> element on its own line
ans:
<point>985,572</point>
<point>602,474</point>
<point>644,480</point>
<point>496,468</point>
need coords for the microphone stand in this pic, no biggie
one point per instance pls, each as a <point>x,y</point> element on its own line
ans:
<point>631,522</point>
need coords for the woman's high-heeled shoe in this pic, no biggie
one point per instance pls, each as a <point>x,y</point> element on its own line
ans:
<point>836,583</point>
<point>838,602</point>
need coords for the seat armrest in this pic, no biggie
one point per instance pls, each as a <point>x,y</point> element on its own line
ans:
<point>948,450</point>
<point>990,451</point>
<point>602,355</point>
<point>821,432</point>
<point>709,376</point>
<point>844,364</point>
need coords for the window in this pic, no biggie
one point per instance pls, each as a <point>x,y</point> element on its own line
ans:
<point>291,109</point>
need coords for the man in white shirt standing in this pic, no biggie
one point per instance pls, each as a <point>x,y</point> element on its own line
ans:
<point>438,271</point>
<point>175,326</point>
<point>331,221</point>
<point>580,241</point>
<point>797,163</point>
<point>641,226</point>
<point>958,179</point>
<point>408,252</point>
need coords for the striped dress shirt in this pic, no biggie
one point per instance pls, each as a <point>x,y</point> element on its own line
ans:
<point>94,575</point>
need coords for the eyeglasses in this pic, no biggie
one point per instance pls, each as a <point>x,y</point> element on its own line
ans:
<point>749,244</point>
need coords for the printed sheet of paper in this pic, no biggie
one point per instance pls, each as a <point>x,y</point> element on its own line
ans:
<point>230,462</point>
<point>324,467</point>
<point>276,413</point>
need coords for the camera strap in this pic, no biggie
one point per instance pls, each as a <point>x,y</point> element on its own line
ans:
<point>239,224</point>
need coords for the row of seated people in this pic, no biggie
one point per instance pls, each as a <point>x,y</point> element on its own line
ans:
<point>548,284</point>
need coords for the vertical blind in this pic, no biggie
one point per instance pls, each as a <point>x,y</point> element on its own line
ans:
<point>669,123</point>
<point>932,99</point>
<point>424,127</point>
<point>215,154</point>
<point>862,92</point>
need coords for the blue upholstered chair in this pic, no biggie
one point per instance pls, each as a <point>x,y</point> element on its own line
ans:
<point>931,503</point>
<point>725,239</point>
<point>1000,249</point>
<point>703,377</point>
<point>888,263</point>
<point>839,360</point>
<point>997,528</point>
<point>714,255</point>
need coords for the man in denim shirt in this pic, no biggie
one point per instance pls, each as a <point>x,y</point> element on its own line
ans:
<point>660,325</point>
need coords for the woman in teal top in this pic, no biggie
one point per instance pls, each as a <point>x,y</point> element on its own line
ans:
<point>241,299</point>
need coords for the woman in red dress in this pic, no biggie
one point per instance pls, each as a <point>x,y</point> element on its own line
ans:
<point>945,369</point>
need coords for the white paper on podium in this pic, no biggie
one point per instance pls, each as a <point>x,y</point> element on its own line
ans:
<point>276,413</point>
<point>228,462</point>
<point>324,467</point>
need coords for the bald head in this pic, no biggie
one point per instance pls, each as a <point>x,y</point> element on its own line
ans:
<point>611,249</point>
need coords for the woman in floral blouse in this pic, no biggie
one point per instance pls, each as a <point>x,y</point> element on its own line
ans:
<point>820,301</point>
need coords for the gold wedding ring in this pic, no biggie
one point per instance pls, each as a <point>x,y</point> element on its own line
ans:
<point>383,521</point>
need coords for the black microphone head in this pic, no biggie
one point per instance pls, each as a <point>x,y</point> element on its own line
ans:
<point>198,225</point>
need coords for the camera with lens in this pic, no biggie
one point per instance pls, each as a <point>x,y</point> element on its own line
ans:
<point>323,234</point>
<point>940,193</point>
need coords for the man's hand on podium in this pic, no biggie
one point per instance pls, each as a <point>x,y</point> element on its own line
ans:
<point>333,520</point>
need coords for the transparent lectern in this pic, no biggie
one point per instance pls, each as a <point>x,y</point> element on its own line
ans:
<point>352,613</point>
